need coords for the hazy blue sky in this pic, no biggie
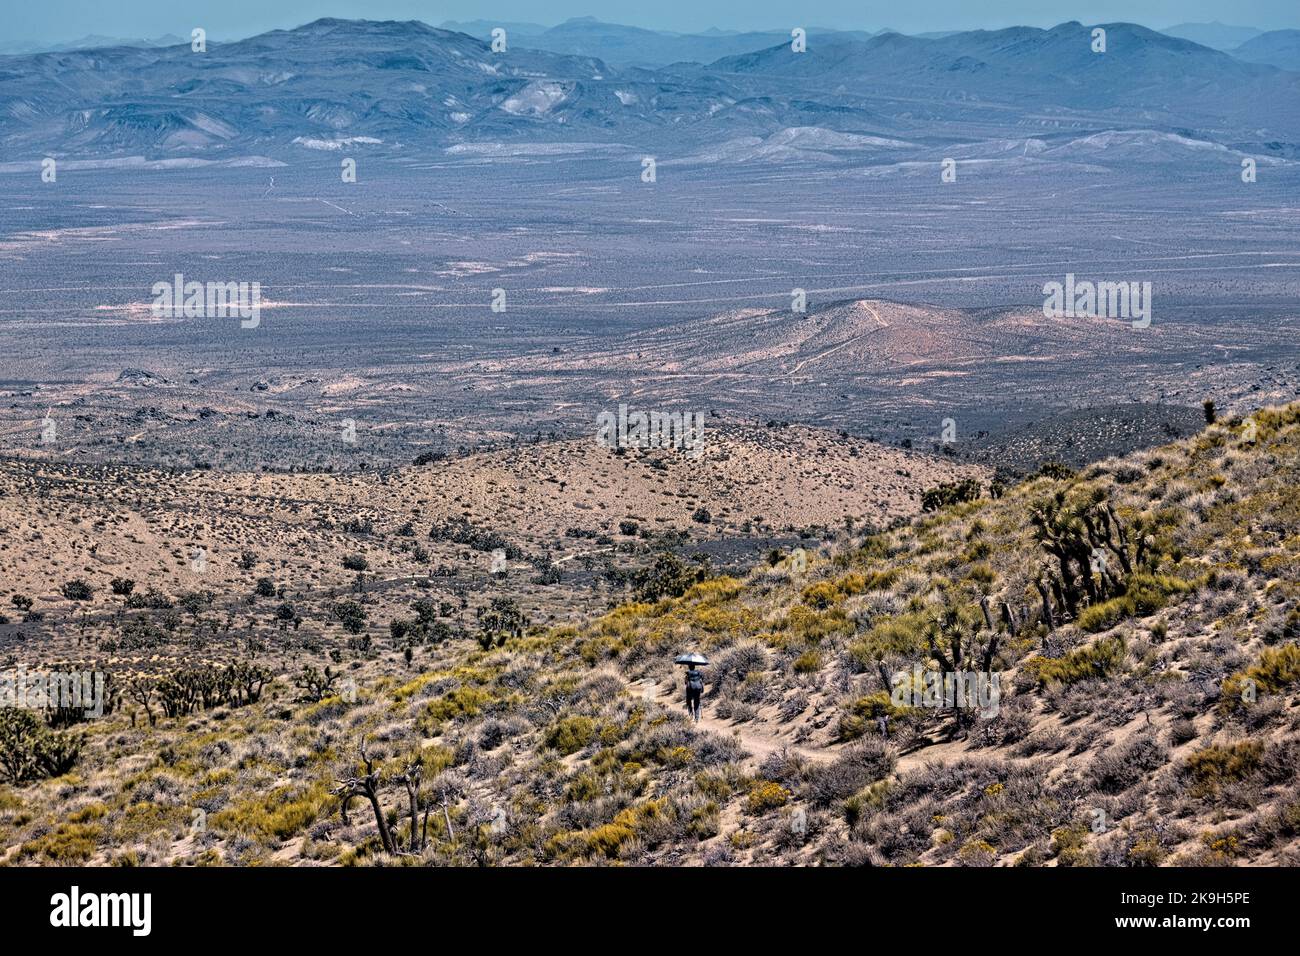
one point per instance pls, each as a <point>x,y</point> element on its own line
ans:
<point>72,19</point>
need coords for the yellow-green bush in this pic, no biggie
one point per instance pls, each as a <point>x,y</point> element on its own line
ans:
<point>714,785</point>
<point>278,815</point>
<point>766,795</point>
<point>809,662</point>
<point>1144,594</point>
<point>1277,670</point>
<point>1100,659</point>
<point>705,821</point>
<point>1069,846</point>
<point>141,821</point>
<point>803,625</point>
<point>862,714</point>
<point>901,634</point>
<point>568,735</point>
<point>608,839</point>
<point>463,702</point>
<point>89,813</point>
<point>70,844</point>
<point>824,594</point>
<point>1213,767</point>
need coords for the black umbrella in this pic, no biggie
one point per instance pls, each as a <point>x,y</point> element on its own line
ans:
<point>698,659</point>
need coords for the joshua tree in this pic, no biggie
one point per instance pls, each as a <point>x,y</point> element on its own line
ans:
<point>366,785</point>
<point>962,655</point>
<point>284,615</point>
<point>247,681</point>
<point>450,787</point>
<point>411,777</point>
<point>29,751</point>
<point>195,603</point>
<point>141,691</point>
<point>500,621</point>
<point>1080,535</point>
<point>314,684</point>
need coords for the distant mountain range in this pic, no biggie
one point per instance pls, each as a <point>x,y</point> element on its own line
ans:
<point>621,45</point>
<point>401,88</point>
<point>1280,48</point>
<point>1215,35</point>
<point>86,43</point>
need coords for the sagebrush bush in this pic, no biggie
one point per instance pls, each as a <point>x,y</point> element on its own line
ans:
<point>865,763</point>
<point>1122,767</point>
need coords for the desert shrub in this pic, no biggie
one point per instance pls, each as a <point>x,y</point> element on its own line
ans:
<point>1121,767</point>
<point>902,634</point>
<point>820,595</point>
<point>1181,731</point>
<point>1210,769</point>
<point>793,705</point>
<point>350,614</point>
<point>492,734</point>
<point>714,785</point>
<point>459,703</point>
<point>462,531</point>
<point>1070,846</point>
<point>866,763</point>
<point>68,845</point>
<point>667,576</point>
<point>766,795</point>
<point>809,662</point>
<point>705,821</point>
<point>1277,670</point>
<point>1054,470</point>
<point>1100,659</point>
<point>976,853</point>
<point>1282,625</point>
<point>863,714</point>
<point>1049,740</point>
<point>805,625</point>
<point>1144,594</point>
<point>824,594</point>
<point>277,815</point>
<point>1146,850</point>
<point>650,822</point>
<point>568,735</point>
<point>786,767</point>
<point>89,813</point>
<point>737,664</point>
<point>77,590</point>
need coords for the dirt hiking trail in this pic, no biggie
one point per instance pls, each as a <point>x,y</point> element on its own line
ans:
<point>759,744</point>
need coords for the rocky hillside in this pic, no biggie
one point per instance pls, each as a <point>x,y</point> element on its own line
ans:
<point>1138,619</point>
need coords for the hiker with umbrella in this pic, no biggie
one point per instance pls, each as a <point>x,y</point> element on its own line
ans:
<point>694,682</point>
